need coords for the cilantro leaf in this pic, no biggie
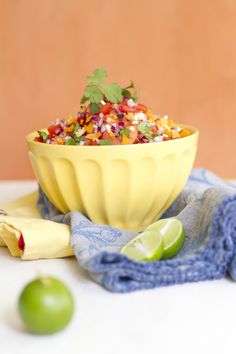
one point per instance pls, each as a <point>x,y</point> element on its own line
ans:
<point>76,128</point>
<point>105,142</point>
<point>96,90</point>
<point>135,95</point>
<point>126,93</point>
<point>70,141</point>
<point>145,128</point>
<point>98,76</point>
<point>94,108</point>
<point>83,99</point>
<point>124,131</point>
<point>43,135</point>
<point>113,92</point>
<point>131,85</point>
<point>94,94</point>
<point>77,139</point>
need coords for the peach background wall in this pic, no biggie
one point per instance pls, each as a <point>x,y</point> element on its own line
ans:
<point>181,54</point>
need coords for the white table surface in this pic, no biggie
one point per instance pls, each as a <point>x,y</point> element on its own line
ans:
<point>190,318</point>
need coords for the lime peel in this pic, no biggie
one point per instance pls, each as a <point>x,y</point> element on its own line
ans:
<point>45,305</point>
<point>161,240</point>
<point>172,232</point>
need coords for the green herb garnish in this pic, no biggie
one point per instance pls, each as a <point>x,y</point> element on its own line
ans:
<point>43,135</point>
<point>77,140</point>
<point>98,77</point>
<point>135,95</point>
<point>145,128</point>
<point>94,108</point>
<point>124,131</point>
<point>70,141</point>
<point>113,92</point>
<point>105,142</point>
<point>96,91</point>
<point>76,128</point>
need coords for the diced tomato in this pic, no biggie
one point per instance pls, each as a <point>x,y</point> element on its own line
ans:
<point>141,107</point>
<point>21,243</point>
<point>133,134</point>
<point>106,136</point>
<point>90,142</point>
<point>154,129</point>
<point>126,109</point>
<point>116,141</point>
<point>93,142</point>
<point>38,139</point>
<point>52,129</point>
<point>105,109</point>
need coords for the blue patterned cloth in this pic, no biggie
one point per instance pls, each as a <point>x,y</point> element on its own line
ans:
<point>207,210</point>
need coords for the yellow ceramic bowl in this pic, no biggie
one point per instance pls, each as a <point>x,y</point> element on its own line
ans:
<point>127,186</point>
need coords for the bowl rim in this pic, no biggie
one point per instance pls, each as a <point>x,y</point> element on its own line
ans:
<point>194,132</point>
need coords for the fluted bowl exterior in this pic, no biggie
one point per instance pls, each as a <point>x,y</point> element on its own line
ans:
<point>127,186</point>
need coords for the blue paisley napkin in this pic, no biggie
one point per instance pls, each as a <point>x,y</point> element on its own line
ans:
<point>207,210</point>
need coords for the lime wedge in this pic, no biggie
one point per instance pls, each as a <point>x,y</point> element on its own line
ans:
<point>172,232</point>
<point>147,246</point>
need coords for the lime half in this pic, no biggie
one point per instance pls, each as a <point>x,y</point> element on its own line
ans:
<point>172,232</point>
<point>147,246</point>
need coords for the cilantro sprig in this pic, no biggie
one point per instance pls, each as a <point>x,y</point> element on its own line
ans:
<point>145,129</point>
<point>97,90</point>
<point>105,142</point>
<point>124,131</point>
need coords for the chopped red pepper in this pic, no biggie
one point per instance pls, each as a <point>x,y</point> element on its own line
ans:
<point>52,129</point>
<point>127,109</point>
<point>106,136</point>
<point>141,107</point>
<point>105,109</point>
<point>21,243</point>
<point>38,139</point>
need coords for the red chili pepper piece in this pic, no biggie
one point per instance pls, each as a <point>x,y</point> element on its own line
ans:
<point>21,243</point>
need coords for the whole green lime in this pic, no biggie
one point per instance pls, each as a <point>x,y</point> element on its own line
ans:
<point>46,305</point>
